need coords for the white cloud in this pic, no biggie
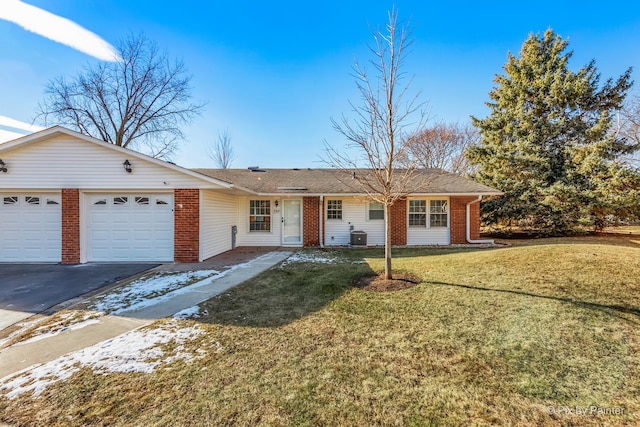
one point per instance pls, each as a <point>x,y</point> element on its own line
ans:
<point>11,129</point>
<point>6,135</point>
<point>17,124</point>
<point>57,28</point>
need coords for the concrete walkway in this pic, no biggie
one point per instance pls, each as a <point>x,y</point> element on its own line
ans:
<point>21,356</point>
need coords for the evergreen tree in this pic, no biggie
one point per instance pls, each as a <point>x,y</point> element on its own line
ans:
<point>549,144</point>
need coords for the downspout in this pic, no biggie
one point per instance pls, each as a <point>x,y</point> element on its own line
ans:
<point>481,242</point>
<point>321,217</point>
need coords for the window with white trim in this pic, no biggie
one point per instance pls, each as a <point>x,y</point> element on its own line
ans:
<point>10,200</point>
<point>334,209</point>
<point>417,213</point>
<point>121,200</point>
<point>438,213</point>
<point>376,211</point>
<point>259,215</point>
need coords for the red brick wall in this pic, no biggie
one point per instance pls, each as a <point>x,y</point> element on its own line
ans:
<point>458,219</point>
<point>70,226</point>
<point>398,215</point>
<point>311,221</point>
<point>186,238</point>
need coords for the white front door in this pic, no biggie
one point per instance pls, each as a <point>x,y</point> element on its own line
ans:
<point>292,222</point>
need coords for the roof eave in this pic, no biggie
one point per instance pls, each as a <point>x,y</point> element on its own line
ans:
<point>60,130</point>
<point>316,194</point>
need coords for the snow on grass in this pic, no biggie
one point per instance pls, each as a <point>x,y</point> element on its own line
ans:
<point>314,257</point>
<point>50,326</point>
<point>138,293</point>
<point>162,287</point>
<point>23,328</point>
<point>190,313</point>
<point>53,331</point>
<point>135,351</point>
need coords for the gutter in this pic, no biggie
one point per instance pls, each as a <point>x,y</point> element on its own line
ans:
<point>321,215</point>
<point>485,242</point>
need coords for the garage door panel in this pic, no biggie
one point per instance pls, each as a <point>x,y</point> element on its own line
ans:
<point>142,235</point>
<point>143,217</point>
<point>120,217</point>
<point>31,229</point>
<point>129,227</point>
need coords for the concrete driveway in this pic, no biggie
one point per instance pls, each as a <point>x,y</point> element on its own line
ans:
<point>27,289</point>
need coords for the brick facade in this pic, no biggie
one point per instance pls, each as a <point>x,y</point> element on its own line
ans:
<point>186,238</point>
<point>70,226</point>
<point>398,216</point>
<point>458,221</point>
<point>311,221</point>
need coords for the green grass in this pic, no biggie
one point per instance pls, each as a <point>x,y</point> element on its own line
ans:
<point>490,337</point>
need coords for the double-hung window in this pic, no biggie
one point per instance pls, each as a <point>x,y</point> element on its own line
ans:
<point>438,213</point>
<point>334,209</point>
<point>376,211</point>
<point>417,213</point>
<point>259,215</point>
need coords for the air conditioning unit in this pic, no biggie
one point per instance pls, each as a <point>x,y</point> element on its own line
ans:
<point>358,238</point>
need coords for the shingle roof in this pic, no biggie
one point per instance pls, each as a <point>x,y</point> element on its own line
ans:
<point>334,181</point>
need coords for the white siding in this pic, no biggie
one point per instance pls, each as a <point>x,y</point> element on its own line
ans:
<point>259,238</point>
<point>218,213</point>
<point>65,162</point>
<point>354,212</point>
<point>417,236</point>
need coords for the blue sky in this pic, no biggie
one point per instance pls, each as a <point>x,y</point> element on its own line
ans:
<point>274,73</point>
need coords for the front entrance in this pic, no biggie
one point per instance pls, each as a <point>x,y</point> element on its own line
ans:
<point>291,222</point>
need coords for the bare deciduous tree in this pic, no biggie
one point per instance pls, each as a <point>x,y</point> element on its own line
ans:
<point>443,146</point>
<point>629,127</point>
<point>221,152</point>
<point>379,128</point>
<point>140,101</point>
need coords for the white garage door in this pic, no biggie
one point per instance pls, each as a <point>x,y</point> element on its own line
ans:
<point>30,228</point>
<point>129,227</point>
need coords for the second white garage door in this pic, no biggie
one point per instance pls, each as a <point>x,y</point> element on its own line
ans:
<point>129,227</point>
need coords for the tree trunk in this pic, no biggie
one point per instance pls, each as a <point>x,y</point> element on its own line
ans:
<point>387,243</point>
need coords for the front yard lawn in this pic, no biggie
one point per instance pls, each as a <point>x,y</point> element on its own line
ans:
<point>526,335</point>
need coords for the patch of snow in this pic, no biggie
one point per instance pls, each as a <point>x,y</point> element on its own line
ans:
<point>55,331</point>
<point>134,351</point>
<point>313,257</point>
<point>190,313</point>
<point>137,294</point>
<point>141,303</point>
<point>146,292</point>
<point>24,326</point>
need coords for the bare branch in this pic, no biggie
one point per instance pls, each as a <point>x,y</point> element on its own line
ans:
<point>629,128</point>
<point>221,152</point>
<point>140,102</point>
<point>443,146</point>
<point>380,124</point>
